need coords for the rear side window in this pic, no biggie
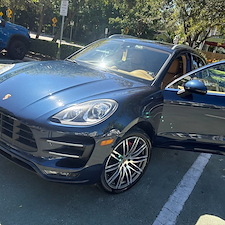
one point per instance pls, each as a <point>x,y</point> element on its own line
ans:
<point>197,62</point>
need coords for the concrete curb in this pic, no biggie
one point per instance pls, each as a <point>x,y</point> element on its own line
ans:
<point>9,61</point>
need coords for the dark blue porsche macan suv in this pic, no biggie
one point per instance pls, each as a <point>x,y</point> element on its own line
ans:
<point>94,117</point>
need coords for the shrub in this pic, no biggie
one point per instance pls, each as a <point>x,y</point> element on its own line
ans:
<point>51,49</point>
<point>44,47</point>
<point>67,50</point>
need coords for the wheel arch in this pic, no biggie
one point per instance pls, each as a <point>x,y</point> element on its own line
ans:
<point>145,126</point>
<point>20,38</point>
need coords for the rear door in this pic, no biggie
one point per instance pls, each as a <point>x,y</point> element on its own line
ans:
<point>195,121</point>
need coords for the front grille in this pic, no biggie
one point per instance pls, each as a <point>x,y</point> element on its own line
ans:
<point>16,134</point>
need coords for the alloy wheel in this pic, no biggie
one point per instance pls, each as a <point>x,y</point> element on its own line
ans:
<point>127,162</point>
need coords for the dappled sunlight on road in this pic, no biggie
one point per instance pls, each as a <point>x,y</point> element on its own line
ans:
<point>210,220</point>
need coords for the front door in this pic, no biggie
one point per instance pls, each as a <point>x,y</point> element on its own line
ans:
<point>194,120</point>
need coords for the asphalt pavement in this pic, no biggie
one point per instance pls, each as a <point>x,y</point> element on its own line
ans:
<point>27,199</point>
<point>4,59</point>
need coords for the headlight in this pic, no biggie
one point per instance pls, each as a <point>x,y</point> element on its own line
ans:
<point>87,113</point>
<point>4,68</point>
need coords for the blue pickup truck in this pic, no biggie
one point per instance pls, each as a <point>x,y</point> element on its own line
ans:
<point>15,39</point>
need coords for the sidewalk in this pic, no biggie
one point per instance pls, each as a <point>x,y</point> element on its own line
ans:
<point>49,38</point>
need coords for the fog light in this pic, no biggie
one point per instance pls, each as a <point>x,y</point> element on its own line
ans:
<point>58,173</point>
<point>52,172</point>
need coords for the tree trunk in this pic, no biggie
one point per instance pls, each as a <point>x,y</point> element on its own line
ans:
<point>41,19</point>
<point>76,27</point>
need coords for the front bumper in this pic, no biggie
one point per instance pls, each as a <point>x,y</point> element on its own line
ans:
<point>77,176</point>
<point>60,156</point>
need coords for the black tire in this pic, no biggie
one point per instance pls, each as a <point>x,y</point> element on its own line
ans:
<point>127,162</point>
<point>17,49</point>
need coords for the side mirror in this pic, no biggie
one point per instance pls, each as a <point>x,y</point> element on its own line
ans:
<point>2,23</point>
<point>193,87</point>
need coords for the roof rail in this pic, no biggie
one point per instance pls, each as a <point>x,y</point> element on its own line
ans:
<point>121,36</point>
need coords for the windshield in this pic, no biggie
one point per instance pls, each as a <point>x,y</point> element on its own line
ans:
<point>125,57</point>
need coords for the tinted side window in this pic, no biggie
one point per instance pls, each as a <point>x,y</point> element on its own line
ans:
<point>213,77</point>
<point>197,62</point>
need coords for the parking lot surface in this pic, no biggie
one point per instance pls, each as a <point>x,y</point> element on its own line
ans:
<point>28,199</point>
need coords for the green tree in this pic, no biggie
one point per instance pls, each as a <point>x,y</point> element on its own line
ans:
<point>189,20</point>
<point>15,6</point>
<point>138,17</point>
<point>91,18</point>
<point>44,9</point>
<point>192,20</point>
<point>72,11</point>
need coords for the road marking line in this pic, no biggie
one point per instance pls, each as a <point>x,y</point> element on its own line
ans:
<point>171,210</point>
<point>218,117</point>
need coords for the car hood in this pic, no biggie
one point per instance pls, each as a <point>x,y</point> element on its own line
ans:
<point>33,89</point>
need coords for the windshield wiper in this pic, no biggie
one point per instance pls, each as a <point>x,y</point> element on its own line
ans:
<point>73,61</point>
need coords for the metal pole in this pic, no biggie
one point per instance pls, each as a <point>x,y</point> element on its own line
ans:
<point>61,35</point>
<point>106,32</point>
<point>71,31</point>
